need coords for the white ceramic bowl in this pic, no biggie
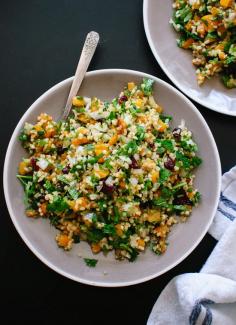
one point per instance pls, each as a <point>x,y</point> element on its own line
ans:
<point>177,63</point>
<point>39,235</point>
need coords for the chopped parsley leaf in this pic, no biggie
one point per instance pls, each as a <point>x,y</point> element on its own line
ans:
<point>90,262</point>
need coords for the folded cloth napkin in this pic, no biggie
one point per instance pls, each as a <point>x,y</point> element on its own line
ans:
<point>208,297</point>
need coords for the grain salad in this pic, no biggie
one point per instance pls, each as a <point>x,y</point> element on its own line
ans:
<point>208,29</point>
<point>114,174</point>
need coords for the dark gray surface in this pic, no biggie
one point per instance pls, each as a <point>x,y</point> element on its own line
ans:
<point>40,45</point>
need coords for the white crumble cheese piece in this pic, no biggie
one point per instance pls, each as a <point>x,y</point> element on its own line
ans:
<point>193,2</point>
<point>127,118</point>
<point>88,216</point>
<point>125,159</point>
<point>80,150</point>
<point>87,101</point>
<point>93,197</point>
<point>42,163</point>
<point>72,161</point>
<point>133,181</point>
<point>109,181</point>
<point>95,115</point>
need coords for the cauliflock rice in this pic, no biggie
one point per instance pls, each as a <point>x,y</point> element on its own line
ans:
<point>114,174</point>
<point>208,29</point>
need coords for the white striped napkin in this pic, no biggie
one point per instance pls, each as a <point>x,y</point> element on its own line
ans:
<point>226,212</point>
<point>208,297</point>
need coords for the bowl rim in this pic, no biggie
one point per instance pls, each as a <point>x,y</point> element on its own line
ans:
<point>17,224</point>
<point>169,74</point>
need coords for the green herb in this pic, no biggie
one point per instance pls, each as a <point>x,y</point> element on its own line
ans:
<point>196,198</point>
<point>79,109</point>
<point>130,148</point>
<point>183,15</point>
<point>166,192</point>
<point>95,235</point>
<point>94,180</point>
<point>153,248</point>
<point>134,110</point>
<point>90,262</point>
<point>227,46</point>
<point>165,117</point>
<point>230,59</point>
<point>24,179</point>
<point>102,205</point>
<point>54,220</point>
<point>140,134</point>
<point>79,166</point>
<point>212,35</point>
<point>179,208</point>
<point>94,160</point>
<point>94,218</point>
<point>147,86</point>
<point>106,105</point>
<point>164,144</point>
<point>109,229</point>
<point>59,166</point>
<point>122,199</point>
<point>185,160</point>
<point>58,205</point>
<point>107,164</point>
<point>112,116</point>
<point>30,189</point>
<point>178,186</point>
<point>116,214</point>
<point>23,137</point>
<point>229,81</point>
<point>188,146</point>
<point>196,161</point>
<point>122,108</point>
<point>63,179</point>
<point>164,175</point>
<point>191,35</point>
<point>168,145</point>
<point>132,251</point>
<point>160,203</point>
<point>147,185</point>
<point>41,142</point>
<point>76,239</point>
<point>160,150</point>
<point>89,147</point>
<point>127,93</point>
<point>41,133</point>
<point>115,102</point>
<point>232,50</point>
<point>49,186</point>
<point>73,193</point>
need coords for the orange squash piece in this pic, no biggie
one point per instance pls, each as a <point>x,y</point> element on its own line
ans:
<point>96,248</point>
<point>226,3</point>
<point>187,43</point>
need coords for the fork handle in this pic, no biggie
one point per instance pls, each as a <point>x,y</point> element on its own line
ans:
<point>88,50</point>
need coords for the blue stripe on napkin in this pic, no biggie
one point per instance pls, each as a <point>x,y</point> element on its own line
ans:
<point>197,309</point>
<point>226,214</point>
<point>227,202</point>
